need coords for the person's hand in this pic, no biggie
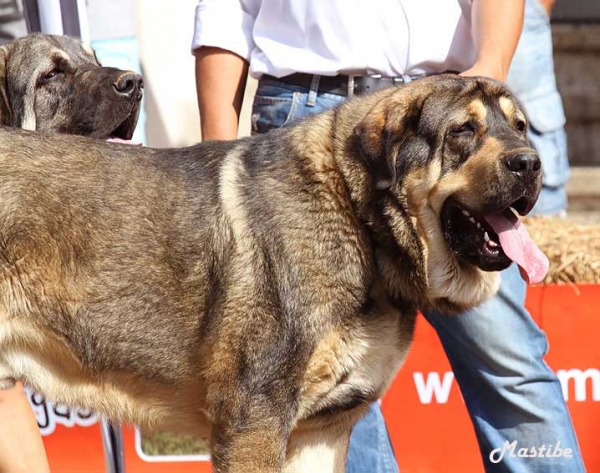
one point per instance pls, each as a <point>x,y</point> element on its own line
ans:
<point>494,71</point>
<point>21,446</point>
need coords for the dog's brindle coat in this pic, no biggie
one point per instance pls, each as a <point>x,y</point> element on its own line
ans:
<point>56,84</point>
<point>263,290</point>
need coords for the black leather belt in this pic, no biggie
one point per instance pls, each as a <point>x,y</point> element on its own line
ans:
<point>339,85</point>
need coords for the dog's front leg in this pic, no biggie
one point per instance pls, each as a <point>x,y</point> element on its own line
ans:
<point>6,376</point>
<point>6,382</point>
<point>322,446</point>
<point>250,440</point>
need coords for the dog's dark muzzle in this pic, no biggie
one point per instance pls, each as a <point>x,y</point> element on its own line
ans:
<point>524,179</point>
<point>129,85</point>
<point>512,188</point>
<point>526,166</point>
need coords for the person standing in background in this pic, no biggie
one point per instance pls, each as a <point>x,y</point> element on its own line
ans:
<point>531,77</point>
<point>310,56</point>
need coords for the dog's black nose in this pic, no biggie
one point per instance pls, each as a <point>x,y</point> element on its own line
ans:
<point>524,163</point>
<point>129,85</point>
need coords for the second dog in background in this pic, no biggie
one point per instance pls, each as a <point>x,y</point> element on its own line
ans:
<point>56,84</point>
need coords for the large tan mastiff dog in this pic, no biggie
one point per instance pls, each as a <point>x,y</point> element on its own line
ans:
<point>260,291</point>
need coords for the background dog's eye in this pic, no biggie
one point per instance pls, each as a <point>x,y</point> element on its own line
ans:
<point>521,126</point>
<point>51,75</point>
<point>462,130</point>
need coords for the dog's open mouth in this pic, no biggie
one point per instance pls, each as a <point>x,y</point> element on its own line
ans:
<point>494,240</point>
<point>124,131</point>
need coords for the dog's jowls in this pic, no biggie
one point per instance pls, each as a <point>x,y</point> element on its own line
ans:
<point>261,291</point>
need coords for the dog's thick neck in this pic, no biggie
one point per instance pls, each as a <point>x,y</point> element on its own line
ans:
<point>329,154</point>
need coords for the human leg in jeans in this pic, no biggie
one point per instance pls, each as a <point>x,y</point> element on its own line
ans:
<point>370,450</point>
<point>496,353</point>
<point>496,350</point>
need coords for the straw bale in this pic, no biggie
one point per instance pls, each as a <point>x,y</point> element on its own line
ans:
<point>573,249</point>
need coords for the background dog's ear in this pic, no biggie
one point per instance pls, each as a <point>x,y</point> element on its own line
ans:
<point>383,130</point>
<point>6,117</point>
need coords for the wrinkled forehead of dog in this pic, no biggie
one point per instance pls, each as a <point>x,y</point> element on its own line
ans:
<point>27,53</point>
<point>470,103</point>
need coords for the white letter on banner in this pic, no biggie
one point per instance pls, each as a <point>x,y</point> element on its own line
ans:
<point>427,389</point>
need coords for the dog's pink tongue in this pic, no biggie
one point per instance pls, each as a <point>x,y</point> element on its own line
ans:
<point>125,142</point>
<point>519,247</point>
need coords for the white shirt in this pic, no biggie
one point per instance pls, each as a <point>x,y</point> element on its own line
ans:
<point>330,37</point>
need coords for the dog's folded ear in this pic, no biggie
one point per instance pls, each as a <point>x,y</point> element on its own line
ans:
<point>382,131</point>
<point>375,142</point>
<point>5,108</point>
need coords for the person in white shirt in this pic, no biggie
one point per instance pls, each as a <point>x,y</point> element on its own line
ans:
<point>310,55</point>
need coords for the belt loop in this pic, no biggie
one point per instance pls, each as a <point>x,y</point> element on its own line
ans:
<point>314,90</point>
<point>350,93</point>
<point>406,78</point>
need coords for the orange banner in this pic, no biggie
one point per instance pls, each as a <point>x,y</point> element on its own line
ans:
<point>72,437</point>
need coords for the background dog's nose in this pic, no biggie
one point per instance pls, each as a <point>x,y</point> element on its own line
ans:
<point>524,163</point>
<point>129,85</point>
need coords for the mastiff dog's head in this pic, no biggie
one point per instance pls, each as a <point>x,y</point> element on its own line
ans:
<point>447,159</point>
<point>56,84</point>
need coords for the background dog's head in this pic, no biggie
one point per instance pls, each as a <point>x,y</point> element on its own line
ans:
<point>56,84</point>
<point>452,153</point>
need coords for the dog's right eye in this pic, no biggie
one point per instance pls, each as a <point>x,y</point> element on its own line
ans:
<point>463,130</point>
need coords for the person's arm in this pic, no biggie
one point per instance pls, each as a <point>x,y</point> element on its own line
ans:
<point>21,446</point>
<point>222,44</point>
<point>220,84</point>
<point>548,5</point>
<point>496,26</point>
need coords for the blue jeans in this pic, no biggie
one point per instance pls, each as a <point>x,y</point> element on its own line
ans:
<point>495,350</point>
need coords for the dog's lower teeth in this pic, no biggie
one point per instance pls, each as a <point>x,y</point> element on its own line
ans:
<point>478,225</point>
<point>465,213</point>
<point>471,219</point>
<point>486,237</point>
